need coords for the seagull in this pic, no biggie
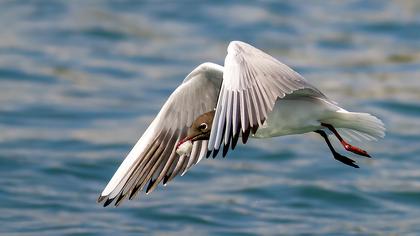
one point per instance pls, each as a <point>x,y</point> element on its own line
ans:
<point>252,95</point>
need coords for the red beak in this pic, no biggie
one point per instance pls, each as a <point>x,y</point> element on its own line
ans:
<point>183,141</point>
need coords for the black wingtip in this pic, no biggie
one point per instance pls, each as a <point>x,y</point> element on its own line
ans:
<point>245,135</point>
<point>225,150</point>
<point>108,201</point>
<point>149,186</point>
<point>133,192</point>
<point>215,152</point>
<point>119,200</point>
<point>100,199</point>
<point>235,139</point>
<point>226,147</point>
<point>254,129</point>
<point>208,154</point>
<point>165,179</point>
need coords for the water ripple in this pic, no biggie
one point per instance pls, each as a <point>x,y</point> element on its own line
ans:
<point>80,81</point>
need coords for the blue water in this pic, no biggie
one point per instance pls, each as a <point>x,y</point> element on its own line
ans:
<point>81,80</point>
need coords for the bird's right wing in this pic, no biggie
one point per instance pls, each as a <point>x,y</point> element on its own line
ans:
<point>252,82</point>
<point>153,159</point>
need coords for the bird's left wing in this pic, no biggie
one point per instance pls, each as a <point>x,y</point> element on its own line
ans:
<point>252,82</point>
<point>154,157</point>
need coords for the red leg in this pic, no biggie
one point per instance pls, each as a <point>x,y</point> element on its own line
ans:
<point>345,144</point>
<point>336,155</point>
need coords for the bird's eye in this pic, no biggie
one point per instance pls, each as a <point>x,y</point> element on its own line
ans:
<point>203,126</point>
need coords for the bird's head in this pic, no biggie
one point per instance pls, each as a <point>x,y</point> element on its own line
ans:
<point>200,128</point>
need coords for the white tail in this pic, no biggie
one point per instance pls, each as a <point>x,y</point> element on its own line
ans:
<point>357,125</point>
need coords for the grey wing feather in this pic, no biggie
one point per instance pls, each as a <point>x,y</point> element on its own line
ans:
<point>252,82</point>
<point>154,157</point>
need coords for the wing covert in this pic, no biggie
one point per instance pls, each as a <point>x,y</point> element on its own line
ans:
<point>252,82</point>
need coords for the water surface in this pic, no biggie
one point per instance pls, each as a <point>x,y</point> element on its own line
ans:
<point>81,80</point>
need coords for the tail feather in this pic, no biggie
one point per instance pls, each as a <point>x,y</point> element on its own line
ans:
<point>357,125</point>
<point>348,134</point>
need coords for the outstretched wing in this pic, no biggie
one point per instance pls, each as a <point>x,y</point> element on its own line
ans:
<point>252,82</point>
<point>153,159</point>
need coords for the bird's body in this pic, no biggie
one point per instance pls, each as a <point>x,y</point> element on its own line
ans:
<point>253,95</point>
<point>302,114</point>
<point>295,115</point>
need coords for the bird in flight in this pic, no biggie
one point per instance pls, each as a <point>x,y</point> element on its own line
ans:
<point>252,95</point>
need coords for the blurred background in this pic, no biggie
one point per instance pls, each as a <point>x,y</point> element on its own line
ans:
<point>81,80</point>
